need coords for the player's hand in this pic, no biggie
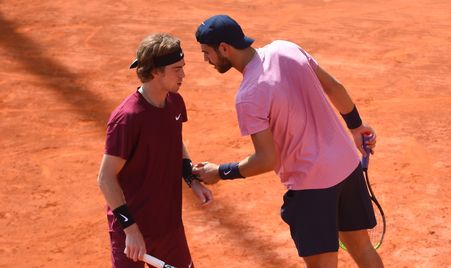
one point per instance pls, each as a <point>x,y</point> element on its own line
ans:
<point>135,247</point>
<point>207,172</point>
<point>202,192</point>
<point>357,134</point>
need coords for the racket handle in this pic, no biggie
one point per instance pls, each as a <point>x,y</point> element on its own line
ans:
<point>366,160</point>
<point>153,261</point>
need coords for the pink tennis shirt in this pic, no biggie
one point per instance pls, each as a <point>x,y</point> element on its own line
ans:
<point>281,91</point>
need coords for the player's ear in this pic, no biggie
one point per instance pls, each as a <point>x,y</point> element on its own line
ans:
<point>158,71</point>
<point>224,48</point>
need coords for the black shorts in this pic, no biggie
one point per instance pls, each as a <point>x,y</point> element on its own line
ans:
<point>315,216</point>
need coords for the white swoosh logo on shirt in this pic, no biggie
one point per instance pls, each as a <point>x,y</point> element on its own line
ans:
<point>178,117</point>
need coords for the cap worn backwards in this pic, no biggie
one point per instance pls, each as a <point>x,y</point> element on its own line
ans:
<point>222,28</point>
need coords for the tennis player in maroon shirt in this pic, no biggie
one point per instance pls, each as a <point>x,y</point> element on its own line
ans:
<point>145,159</point>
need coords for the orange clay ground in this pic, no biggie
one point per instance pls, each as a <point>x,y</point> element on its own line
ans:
<point>64,67</point>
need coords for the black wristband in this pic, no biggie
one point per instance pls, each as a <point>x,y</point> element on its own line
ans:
<point>352,119</point>
<point>187,171</point>
<point>230,171</point>
<point>123,216</point>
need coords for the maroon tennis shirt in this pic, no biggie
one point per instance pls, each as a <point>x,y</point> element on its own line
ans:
<point>150,139</point>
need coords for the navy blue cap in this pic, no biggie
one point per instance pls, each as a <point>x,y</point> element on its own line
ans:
<point>222,28</point>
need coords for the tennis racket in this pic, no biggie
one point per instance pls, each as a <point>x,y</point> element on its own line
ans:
<point>155,262</point>
<point>377,233</point>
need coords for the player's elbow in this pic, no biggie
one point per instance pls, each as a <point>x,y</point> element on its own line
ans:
<point>334,88</point>
<point>268,162</point>
<point>101,180</point>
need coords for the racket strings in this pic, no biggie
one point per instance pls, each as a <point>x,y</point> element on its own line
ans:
<point>376,233</point>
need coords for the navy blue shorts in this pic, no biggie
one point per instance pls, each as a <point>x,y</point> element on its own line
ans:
<point>315,216</point>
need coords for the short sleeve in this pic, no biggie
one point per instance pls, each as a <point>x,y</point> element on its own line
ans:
<point>312,62</point>
<point>184,113</point>
<point>252,117</point>
<point>120,140</point>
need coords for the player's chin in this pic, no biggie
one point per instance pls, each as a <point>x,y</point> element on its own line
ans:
<point>176,88</point>
<point>222,69</point>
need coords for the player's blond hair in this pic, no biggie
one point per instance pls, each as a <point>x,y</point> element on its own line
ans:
<point>154,45</point>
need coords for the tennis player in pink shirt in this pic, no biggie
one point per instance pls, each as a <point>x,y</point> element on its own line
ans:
<point>282,103</point>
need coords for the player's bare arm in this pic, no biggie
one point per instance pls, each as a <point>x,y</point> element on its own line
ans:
<point>107,180</point>
<point>343,103</point>
<point>335,91</point>
<point>202,192</point>
<point>111,166</point>
<point>261,161</point>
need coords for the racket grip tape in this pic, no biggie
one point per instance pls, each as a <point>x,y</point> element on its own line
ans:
<point>154,261</point>
<point>366,160</point>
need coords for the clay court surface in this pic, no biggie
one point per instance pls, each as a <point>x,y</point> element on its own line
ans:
<point>64,67</point>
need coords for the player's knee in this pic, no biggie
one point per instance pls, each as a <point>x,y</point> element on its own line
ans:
<point>366,257</point>
<point>327,260</point>
<point>355,240</point>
